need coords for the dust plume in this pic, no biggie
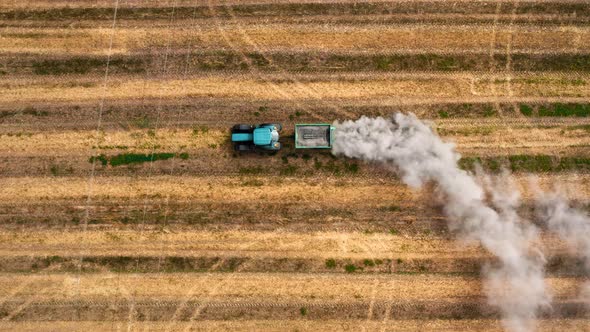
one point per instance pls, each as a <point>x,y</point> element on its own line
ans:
<point>516,284</point>
<point>571,224</point>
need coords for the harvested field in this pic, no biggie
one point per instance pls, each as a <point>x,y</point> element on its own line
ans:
<point>124,206</point>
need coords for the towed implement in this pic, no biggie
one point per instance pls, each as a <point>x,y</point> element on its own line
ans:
<point>314,136</point>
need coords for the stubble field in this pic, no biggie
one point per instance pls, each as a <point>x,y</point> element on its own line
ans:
<point>123,206</point>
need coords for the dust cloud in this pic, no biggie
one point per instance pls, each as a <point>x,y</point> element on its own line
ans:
<point>516,283</point>
<point>571,224</point>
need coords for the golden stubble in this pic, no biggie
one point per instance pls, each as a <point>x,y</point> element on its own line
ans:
<point>230,188</point>
<point>76,143</point>
<point>377,38</point>
<point>252,286</point>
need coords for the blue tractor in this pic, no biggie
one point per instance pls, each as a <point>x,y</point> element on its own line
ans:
<point>251,137</point>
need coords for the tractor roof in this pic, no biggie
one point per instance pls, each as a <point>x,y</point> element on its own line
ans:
<point>262,136</point>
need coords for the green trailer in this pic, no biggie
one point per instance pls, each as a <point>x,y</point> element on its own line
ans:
<point>314,136</point>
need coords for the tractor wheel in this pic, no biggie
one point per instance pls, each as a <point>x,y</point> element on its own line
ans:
<point>243,147</point>
<point>242,128</point>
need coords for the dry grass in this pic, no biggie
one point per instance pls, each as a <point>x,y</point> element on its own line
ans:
<point>72,143</point>
<point>462,325</point>
<point>229,189</point>
<point>38,4</point>
<point>260,244</point>
<point>506,140</point>
<point>235,87</point>
<point>252,286</point>
<point>219,189</point>
<point>317,245</point>
<point>306,37</point>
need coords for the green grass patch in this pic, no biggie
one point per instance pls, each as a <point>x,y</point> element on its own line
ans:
<point>351,167</point>
<point>85,65</point>
<point>536,163</point>
<point>200,130</point>
<point>382,63</point>
<point>573,163</point>
<point>447,63</point>
<point>565,110</point>
<point>527,163</point>
<point>330,263</point>
<point>110,147</point>
<point>332,167</point>
<point>102,159</point>
<point>142,122</point>
<point>443,114</point>
<point>472,131</point>
<point>526,110</point>
<point>585,128</point>
<point>468,163</point>
<point>251,170</point>
<point>317,164</point>
<point>137,158</point>
<point>34,112</point>
<point>54,170</point>
<point>58,170</point>
<point>350,268</point>
<point>134,158</point>
<point>289,170</point>
<point>492,110</point>
<point>490,164</point>
<point>253,183</point>
<point>390,208</point>
<point>489,111</point>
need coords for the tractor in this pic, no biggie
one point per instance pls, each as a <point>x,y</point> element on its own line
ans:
<point>266,136</point>
<point>252,137</point>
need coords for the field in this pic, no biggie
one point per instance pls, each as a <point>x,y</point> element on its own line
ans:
<point>123,205</point>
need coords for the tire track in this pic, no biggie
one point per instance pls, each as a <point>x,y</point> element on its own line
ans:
<point>86,217</point>
<point>22,306</point>
<point>386,316</point>
<point>492,53</point>
<point>158,108</point>
<point>299,85</point>
<point>275,87</point>
<point>190,293</point>
<point>197,311</point>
